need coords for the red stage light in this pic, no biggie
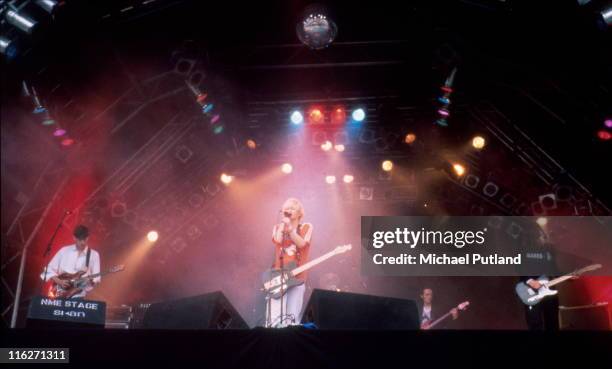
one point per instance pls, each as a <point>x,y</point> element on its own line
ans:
<point>315,116</point>
<point>604,135</point>
<point>67,142</point>
<point>338,116</point>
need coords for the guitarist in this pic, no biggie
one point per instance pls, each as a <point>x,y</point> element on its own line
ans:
<point>426,311</point>
<point>73,258</point>
<point>291,240</point>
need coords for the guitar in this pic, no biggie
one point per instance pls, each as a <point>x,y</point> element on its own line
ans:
<point>462,306</point>
<point>531,297</point>
<point>272,277</point>
<point>78,282</point>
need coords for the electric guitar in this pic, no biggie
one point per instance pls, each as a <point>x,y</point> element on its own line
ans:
<point>272,277</point>
<point>531,296</point>
<point>462,306</point>
<point>78,282</point>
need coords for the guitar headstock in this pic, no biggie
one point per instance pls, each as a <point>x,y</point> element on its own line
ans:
<point>591,268</point>
<point>343,248</point>
<point>116,268</point>
<point>463,305</point>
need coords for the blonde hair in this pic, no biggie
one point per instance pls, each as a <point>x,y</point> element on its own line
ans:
<point>297,202</point>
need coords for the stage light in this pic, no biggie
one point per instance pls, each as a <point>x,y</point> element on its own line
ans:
<point>478,142</point>
<point>606,16</point>
<point>608,123</point>
<point>326,146</point>
<point>358,115</point>
<point>443,112</point>
<point>251,144</point>
<point>315,116</point>
<point>286,168</point>
<point>315,28</point>
<point>410,138</point>
<point>207,108</point>
<point>604,135</point>
<point>330,179</point>
<point>201,98</point>
<point>215,118</point>
<point>48,122</point>
<point>67,142</point>
<point>338,116</point>
<point>297,117</point>
<point>444,100</point>
<point>152,236</point>
<point>348,178</point>
<point>542,221</point>
<point>218,129</point>
<point>49,6</point>
<point>8,48</point>
<point>339,148</point>
<point>387,165</point>
<point>226,179</point>
<point>459,169</point>
<point>20,21</point>
<point>59,132</point>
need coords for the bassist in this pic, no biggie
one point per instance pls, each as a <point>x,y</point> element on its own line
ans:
<point>291,240</point>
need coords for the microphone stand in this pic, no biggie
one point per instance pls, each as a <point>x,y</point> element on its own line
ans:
<point>48,248</point>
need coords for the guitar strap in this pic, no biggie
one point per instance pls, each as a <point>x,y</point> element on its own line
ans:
<point>298,255</point>
<point>87,258</point>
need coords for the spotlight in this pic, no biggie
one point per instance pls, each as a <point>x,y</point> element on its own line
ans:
<point>478,142</point>
<point>48,122</point>
<point>358,115</point>
<point>326,146</point>
<point>443,112</point>
<point>316,116</point>
<point>348,178</point>
<point>316,29</point>
<point>215,118</point>
<point>286,168</point>
<point>339,148</point>
<point>59,132</point>
<point>542,221</point>
<point>410,138</point>
<point>207,108</point>
<point>459,169</point>
<point>22,22</point>
<point>251,144</point>
<point>387,165</point>
<point>604,135</point>
<point>297,117</point>
<point>226,179</point>
<point>8,48</point>
<point>49,6</point>
<point>338,116</point>
<point>606,16</point>
<point>608,123</point>
<point>217,130</point>
<point>330,179</point>
<point>67,142</point>
<point>152,236</point>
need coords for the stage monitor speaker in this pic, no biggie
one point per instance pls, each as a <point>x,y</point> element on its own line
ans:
<point>208,311</point>
<point>586,317</point>
<point>343,310</point>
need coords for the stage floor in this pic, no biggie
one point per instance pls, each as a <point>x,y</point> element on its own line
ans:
<point>297,347</point>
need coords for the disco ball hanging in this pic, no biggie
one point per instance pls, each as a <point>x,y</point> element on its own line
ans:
<point>315,28</point>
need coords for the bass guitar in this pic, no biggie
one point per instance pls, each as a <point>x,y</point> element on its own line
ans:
<point>276,284</point>
<point>462,306</point>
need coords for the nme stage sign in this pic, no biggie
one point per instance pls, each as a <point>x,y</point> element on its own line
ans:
<point>70,310</point>
<point>484,246</point>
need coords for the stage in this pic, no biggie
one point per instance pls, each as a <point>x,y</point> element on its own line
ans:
<point>309,348</point>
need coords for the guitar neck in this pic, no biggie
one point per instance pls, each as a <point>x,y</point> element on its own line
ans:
<point>439,319</point>
<point>312,263</point>
<point>96,275</point>
<point>570,275</point>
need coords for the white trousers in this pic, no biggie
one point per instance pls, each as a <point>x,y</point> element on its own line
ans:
<point>292,307</point>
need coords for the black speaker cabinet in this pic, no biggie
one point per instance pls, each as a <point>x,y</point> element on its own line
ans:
<point>208,311</point>
<point>342,310</point>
